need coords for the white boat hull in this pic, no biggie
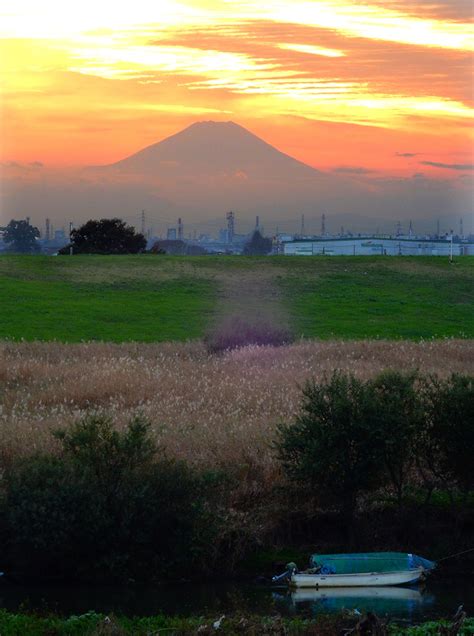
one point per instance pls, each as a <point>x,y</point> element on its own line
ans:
<point>368,579</point>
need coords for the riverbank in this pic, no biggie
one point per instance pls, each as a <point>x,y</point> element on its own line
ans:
<point>196,487</point>
<point>93,624</point>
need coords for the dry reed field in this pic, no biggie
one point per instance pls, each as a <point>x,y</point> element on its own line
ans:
<point>210,410</point>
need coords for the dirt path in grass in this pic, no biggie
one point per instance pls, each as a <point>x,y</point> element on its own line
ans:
<point>254,296</point>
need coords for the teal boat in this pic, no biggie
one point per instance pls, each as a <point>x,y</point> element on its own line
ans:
<point>361,570</point>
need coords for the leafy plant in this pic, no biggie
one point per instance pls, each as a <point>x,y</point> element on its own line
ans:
<point>108,506</point>
<point>449,444</point>
<point>332,448</point>
<point>398,422</point>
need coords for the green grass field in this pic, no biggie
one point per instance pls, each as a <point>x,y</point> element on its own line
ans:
<point>158,298</point>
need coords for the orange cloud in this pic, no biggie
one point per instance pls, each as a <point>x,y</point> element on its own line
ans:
<point>100,83</point>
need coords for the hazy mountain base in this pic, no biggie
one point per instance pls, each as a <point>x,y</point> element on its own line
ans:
<point>211,167</point>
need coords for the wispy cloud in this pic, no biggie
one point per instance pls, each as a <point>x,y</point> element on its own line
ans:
<point>355,170</point>
<point>448,166</point>
<point>310,49</point>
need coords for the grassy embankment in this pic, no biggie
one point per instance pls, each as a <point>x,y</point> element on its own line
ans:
<point>92,624</point>
<point>149,298</point>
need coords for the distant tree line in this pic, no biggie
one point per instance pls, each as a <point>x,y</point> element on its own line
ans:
<point>114,236</point>
<point>105,236</point>
<point>21,237</point>
<point>258,245</point>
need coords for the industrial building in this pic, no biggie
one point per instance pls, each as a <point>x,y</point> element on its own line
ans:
<point>371,246</point>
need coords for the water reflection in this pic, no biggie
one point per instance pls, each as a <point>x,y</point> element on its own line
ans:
<point>403,602</point>
<point>439,599</point>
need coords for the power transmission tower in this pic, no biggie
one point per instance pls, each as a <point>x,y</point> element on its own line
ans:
<point>143,222</point>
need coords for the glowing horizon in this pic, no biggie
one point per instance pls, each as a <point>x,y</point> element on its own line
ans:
<point>106,79</point>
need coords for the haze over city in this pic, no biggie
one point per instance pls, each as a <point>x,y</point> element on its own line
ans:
<point>375,97</point>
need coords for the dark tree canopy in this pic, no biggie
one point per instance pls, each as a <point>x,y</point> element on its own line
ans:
<point>106,236</point>
<point>177,248</point>
<point>22,237</point>
<point>258,245</point>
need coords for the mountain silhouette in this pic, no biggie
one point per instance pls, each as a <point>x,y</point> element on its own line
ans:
<point>215,151</point>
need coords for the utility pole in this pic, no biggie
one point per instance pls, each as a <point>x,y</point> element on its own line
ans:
<point>257,223</point>
<point>48,230</point>
<point>143,222</point>
<point>323,225</point>
<point>303,231</point>
<point>71,227</point>
<point>461,231</point>
<point>437,229</point>
<point>451,248</point>
<point>180,229</point>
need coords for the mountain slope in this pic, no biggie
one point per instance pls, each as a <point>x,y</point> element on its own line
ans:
<point>215,150</point>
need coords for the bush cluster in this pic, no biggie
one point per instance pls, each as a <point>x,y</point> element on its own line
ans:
<point>109,505</point>
<point>399,431</point>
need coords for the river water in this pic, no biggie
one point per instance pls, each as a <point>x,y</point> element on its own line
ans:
<point>439,598</point>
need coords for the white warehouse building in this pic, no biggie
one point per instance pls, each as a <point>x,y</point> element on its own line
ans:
<point>396,246</point>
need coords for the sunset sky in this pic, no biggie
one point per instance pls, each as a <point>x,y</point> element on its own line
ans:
<point>378,86</point>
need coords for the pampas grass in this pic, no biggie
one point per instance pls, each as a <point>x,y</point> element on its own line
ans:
<point>209,410</point>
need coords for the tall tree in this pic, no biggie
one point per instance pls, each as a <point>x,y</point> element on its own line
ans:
<point>22,237</point>
<point>106,236</point>
<point>258,245</point>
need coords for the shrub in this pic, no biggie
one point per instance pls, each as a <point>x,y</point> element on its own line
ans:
<point>398,424</point>
<point>353,437</point>
<point>53,519</point>
<point>109,506</point>
<point>449,444</point>
<point>332,446</point>
<point>235,332</point>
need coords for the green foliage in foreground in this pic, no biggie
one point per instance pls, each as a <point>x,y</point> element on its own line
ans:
<point>355,436</point>
<point>93,624</point>
<point>149,298</point>
<point>110,505</point>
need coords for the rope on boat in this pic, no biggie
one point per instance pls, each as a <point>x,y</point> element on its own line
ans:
<point>451,556</point>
